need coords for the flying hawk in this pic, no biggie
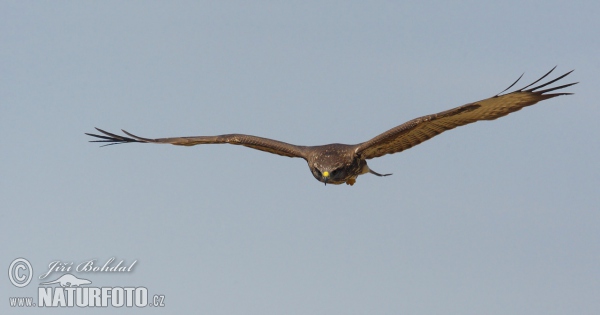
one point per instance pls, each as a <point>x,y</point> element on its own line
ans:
<point>341,163</point>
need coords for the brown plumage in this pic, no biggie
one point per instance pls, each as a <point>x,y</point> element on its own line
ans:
<point>341,163</point>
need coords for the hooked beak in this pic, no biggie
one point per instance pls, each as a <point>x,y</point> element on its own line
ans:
<point>325,177</point>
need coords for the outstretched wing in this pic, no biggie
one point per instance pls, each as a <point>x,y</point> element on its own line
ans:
<point>424,128</point>
<point>258,143</point>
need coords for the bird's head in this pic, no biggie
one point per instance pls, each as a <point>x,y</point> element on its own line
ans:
<point>333,164</point>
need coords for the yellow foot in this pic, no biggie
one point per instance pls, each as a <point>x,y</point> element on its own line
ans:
<point>351,181</point>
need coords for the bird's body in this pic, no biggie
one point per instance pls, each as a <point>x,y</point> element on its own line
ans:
<point>343,163</point>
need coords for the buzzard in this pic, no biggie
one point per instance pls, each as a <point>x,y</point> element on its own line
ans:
<point>342,163</point>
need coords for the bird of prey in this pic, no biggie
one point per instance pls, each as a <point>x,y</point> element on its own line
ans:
<point>342,163</point>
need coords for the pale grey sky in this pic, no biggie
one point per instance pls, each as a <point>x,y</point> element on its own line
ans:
<point>496,217</point>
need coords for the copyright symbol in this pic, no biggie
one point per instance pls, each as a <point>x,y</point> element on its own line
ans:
<point>15,275</point>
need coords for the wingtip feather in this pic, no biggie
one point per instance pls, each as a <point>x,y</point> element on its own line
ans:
<point>533,89</point>
<point>110,137</point>
<point>519,78</point>
<point>136,137</point>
